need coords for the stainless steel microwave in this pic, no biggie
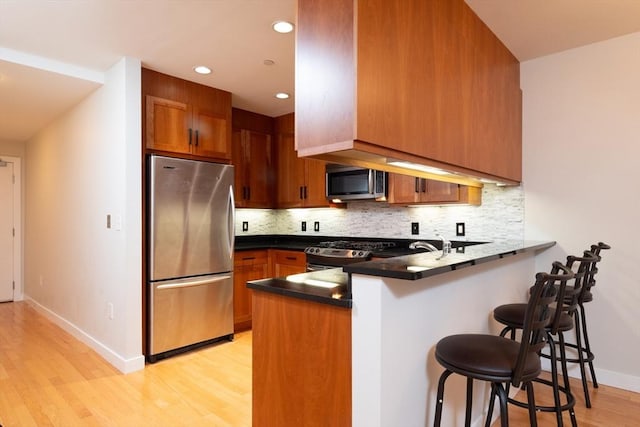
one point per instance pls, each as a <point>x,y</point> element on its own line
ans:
<point>354,183</point>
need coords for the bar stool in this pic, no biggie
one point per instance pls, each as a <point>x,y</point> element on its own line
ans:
<point>500,360</point>
<point>582,346</point>
<point>513,315</point>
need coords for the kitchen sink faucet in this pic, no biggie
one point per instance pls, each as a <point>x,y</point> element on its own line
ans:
<point>446,247</point>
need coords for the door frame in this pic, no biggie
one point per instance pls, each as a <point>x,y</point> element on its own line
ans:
<point>18,291</point>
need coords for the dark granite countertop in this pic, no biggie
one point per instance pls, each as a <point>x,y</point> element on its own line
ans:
<point>299,243</point>
<point>325,286</point>
<point>278,241</point>
<point>333,286</point>
<point>414,267</point>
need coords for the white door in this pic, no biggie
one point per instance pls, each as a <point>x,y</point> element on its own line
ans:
<point>6,231</point>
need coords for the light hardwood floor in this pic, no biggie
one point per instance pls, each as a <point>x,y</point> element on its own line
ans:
<point>610,407</point>
<point>48,378</point>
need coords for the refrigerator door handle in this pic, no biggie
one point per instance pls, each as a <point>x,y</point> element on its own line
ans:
<point>194,283</point>
<point>232,221</point>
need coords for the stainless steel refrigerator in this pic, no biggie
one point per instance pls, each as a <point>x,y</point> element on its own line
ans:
<point>190,254</point>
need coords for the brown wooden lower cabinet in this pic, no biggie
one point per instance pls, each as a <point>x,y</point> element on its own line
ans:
<point>301,363</point>
<point>247,265</point>
<point>288,262</point>
<point>255,265</point>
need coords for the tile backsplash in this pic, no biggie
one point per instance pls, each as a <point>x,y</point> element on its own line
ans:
<point>501,216</point>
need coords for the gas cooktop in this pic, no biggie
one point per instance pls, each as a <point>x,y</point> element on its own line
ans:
<point>357,245</point>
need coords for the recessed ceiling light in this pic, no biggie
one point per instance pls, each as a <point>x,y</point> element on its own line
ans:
<point>282,27</point>
<point>201,69</point>
<point>282,95</point>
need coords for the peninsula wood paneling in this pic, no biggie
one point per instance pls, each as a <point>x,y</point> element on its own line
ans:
<point>301,363</point>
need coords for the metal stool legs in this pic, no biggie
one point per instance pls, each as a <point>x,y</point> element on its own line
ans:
<point>585,356</point>
<point>554,383</point>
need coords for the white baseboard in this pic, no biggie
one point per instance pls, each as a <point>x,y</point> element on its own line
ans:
<point>605,377</point>
<point>123,365</point>
<point>618,380</point>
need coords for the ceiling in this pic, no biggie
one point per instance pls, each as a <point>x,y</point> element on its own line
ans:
<point>54,53</point>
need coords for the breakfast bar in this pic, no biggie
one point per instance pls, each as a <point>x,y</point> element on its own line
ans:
<point>385,373</point>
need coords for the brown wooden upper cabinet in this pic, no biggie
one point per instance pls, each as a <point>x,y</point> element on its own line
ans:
<point>420,81</point>
<point>253,159</point>
<point>300,182</point>
<point>185,117</point>
<point>409,190</point>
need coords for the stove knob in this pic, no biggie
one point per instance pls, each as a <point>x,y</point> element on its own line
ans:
<point>317,250</point>
<point>354,253</point>
<point>361,253</point>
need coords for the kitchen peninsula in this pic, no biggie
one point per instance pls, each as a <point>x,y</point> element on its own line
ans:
<point>373,364</point>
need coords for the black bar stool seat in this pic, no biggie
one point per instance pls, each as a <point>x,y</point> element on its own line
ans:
<point>485,357</point>
<point>512,314</point>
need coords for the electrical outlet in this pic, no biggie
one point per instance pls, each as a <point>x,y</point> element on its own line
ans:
<point>245,226</point>
<point>415,228</point>
<point>316,226</point>
<point>110,310</point>
<point>303,227</point>
<point>459,228</point>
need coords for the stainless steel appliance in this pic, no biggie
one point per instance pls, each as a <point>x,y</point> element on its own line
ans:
<point>190,254</point>
<point>353,183</point>
<point>338,253</point>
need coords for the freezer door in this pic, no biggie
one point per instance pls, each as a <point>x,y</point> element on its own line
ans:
<point>191,218</point>
<point>185,312</point>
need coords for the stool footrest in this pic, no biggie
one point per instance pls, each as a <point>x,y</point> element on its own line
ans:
<point>571,401</point>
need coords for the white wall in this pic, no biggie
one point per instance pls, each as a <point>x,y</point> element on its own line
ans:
<point>581,137</point>
<point>501,216</point>
<point>80,168</point>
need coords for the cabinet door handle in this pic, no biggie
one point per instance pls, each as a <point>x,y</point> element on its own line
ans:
<point>417,185</point>
<point>305,192</point>
<point>248,258</point>
<point>301,193</point>
<point>291,258</point>
<point>424,185</point>
<point>197,133</point>
<point>190,132</point>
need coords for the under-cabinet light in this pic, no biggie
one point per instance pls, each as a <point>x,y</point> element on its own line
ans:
<point>423,168</point>
<point>282,95</point>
